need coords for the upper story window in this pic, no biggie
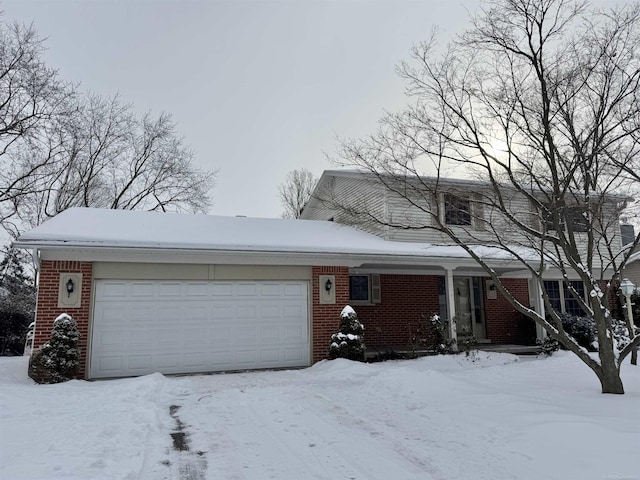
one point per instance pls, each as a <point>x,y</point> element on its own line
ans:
<point>457,210</point>
<point>572,218</point>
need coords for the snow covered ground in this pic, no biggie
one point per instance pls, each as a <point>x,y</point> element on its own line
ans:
<point>486,417</point>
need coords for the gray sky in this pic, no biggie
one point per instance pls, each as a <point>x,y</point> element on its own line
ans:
<point>256,88</point>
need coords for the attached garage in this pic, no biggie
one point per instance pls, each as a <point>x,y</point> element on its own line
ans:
<point>144,326</point>
<point>158,292</point>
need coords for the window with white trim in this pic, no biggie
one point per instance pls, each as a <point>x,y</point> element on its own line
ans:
<point>561,298</point>
<point>457,210</point>
<point>573,219</point>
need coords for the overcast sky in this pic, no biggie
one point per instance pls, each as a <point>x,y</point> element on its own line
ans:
<point>256,88</point>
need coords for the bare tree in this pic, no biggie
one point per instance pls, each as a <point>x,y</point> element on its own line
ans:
<point>539,100</point>
<point>295,191</point>
<point>101,155</point>
<point>31,96</point>
<point>60,149</point>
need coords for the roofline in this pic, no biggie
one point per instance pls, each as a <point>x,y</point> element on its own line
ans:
<point>355,173</point>
<point>86,252</point>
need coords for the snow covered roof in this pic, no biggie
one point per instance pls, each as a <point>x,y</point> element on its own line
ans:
<point>634,257</point>
<point>103,228</point>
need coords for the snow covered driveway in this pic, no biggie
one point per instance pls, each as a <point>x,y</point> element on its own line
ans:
<point>488,417</point>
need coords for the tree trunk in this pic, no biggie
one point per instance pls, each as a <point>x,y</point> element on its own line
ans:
<point>609,370</point>
<point>610,380</point>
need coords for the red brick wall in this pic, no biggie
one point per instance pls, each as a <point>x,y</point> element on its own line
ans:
<point>504,323</point>
<point>390,324</point>
<point>47,309</point>
<point>406,299</point>
<point>326,318</point>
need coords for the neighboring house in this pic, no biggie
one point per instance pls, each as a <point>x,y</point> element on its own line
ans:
<point>192,293</point>
<point>632,269</point>
<point>357,198</point>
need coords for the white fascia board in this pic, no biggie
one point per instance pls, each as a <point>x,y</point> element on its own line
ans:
<point>195,256</point>
<point>555,274</point>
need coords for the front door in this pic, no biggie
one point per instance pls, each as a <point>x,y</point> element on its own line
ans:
<point>468,303</point>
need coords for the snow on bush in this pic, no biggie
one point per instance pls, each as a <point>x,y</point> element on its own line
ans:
<point>57,360</point>
<point>348,342</point>
<point>582,329</point>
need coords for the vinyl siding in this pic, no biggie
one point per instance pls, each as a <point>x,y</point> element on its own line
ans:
<point>353,193</point>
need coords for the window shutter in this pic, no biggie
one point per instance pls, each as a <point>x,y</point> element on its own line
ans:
<point>376,290</point>
<point>434,209</point>
<point>534,219</point>
<point>478,212</point>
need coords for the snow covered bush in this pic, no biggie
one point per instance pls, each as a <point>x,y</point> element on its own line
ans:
<point>348,342</point>
<point>582,329</point>
<point>58,359</point>
<point>442,343</point>
<point>621,333</point>
<point>548,346</point>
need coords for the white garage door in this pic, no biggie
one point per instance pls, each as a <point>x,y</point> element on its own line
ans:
<point>142,326</point>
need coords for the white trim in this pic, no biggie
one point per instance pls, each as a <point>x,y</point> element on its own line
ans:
<point>451,308</point>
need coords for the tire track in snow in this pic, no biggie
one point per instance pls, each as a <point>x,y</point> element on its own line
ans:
<point>331,441</point>
<point>185,463</point>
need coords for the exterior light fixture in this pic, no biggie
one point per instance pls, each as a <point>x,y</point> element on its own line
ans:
<point>328,285</point>
<point>70,287</point>
<point>627,287</point>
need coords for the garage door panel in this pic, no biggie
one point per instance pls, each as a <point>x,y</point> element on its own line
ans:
<point>142,289</point>
<point>247,311</point>
<point>200,289</point>
<point>196,360</point>
<point>109,339</point>
<point>111,289</point>
<point>222,310</point>
<point>293,354</point>
<point>140,362</point>
<point>293,311</point>
<point>294,289</point>
<point>222,289</point>
<point>110,365</point>
<point>270,356</point>
<point>170,289</point>
<point>139,338</point>
<point>247,289</point>
<point>270,290</point>
<point>187,327</point>
<point>168,361</point>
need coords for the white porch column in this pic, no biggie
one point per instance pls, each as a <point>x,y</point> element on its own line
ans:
<point>451,306</point>
<point>537,302</point>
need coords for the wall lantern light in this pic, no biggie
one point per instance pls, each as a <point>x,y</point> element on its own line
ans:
<point>70,287</point>
<point>328,285</point>
<point>627,287</point>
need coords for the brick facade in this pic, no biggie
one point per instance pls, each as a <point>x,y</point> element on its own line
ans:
<point>47,309</point>
<point>504,323</point>
<point>326,318</point>
<point>405,302</point>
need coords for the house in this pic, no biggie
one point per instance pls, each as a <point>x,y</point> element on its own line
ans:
<point>400,209</point>
<point>632,269</point>
<point>192,293</point>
